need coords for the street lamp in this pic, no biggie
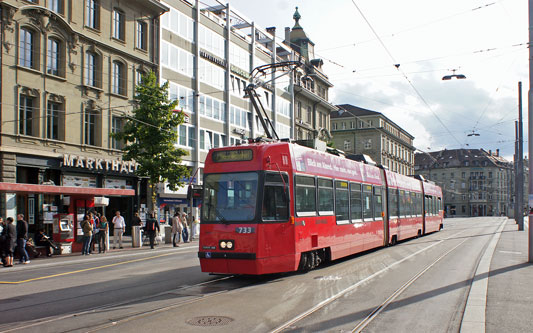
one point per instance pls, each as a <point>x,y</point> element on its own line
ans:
<point>457,76</point>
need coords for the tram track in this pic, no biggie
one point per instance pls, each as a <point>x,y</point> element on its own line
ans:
<point>353,287</point>
<point>137,314</point>
<point>374,313</point>
<point>131,312</point>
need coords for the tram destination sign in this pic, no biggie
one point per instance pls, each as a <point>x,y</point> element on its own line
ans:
<point>237,155</point>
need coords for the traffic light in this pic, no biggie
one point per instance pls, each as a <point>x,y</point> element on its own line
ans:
<point>194,192</point>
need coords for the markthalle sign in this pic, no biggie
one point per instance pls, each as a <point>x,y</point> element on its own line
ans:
<point>96,164</point>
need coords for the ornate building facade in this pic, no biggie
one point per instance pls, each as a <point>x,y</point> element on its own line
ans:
<point>68,75</point>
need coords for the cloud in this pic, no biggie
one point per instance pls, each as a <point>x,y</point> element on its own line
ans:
<point>441,114</point>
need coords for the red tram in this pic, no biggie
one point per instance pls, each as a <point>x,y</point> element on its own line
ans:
<point>271,207</point>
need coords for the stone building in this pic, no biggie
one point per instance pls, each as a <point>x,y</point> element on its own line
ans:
<point>475,182</point>
<point>69,70</point>
<point>360,131</point>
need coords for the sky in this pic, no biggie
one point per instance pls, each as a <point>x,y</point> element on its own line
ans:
<point>361,41</point>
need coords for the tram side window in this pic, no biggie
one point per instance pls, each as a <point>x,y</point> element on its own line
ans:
<point>403,204</point>
<point>378,204</point>
<point>355,202</point>
<point>275,198</point>
<point>419,204</point>
<point>393,202</point>
<point>325,197</point>
<point>439,204</point>
<point>342,203</point>
<point>434,206</point>
<point>426,205</point>
<point>305,196</point>
<point>367,202</point>
<point>414,211</point>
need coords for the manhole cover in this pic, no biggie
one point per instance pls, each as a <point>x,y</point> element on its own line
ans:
<point>209,321</point>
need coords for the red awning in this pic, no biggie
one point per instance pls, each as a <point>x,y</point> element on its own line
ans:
<point>65,190</point>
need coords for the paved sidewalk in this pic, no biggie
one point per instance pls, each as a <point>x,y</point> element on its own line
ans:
<point>127,249</point>
<point>510,287</point>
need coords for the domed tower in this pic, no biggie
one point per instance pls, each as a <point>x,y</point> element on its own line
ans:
<point>299,40</point>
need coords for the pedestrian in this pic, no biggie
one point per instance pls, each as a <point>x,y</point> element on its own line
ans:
<point>137,222</point>
<point>22,237</point>
<point>87,228</point>
<point>150,229</point>
<point>119,225</point>
<point>185,231</point>
<point>3,231</point>
<point>102,235</point>
<point>9,243</point>
<point>176,229</point>
<point>96,231</point>
<point>195,227</point>
<point>42,240</point>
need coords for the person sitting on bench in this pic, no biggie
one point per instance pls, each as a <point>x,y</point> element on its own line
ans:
<point>42,240</point>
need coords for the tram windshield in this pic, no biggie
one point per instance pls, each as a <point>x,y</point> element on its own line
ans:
<point>230,197</point>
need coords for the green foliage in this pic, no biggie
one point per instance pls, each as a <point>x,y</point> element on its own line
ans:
<point>150,134</point>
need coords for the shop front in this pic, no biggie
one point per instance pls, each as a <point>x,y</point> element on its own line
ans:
<point>62,221</point>
<point>55,193</point>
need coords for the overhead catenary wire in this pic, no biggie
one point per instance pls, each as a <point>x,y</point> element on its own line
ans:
<point>404,75</point>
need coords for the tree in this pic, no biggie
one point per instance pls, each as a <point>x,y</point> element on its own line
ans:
<point>150,135</point>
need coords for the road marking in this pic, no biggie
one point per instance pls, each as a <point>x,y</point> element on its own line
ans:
<point>85,269</point>
<point>354,286</point>
<point>510,252</point>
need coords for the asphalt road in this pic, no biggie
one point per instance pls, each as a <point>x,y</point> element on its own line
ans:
<point>420,285</point>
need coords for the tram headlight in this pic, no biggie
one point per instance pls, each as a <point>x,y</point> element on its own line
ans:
<point>226,244</point>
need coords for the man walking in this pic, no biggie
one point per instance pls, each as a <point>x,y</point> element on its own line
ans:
<point>22,237</point>
<point>152,225</point>
<point>119,225</point>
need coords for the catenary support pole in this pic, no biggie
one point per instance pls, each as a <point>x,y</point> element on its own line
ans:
<point>520,167</point>
<point>530,132</point>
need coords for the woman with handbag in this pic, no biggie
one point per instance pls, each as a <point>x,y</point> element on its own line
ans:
<point>87,228</point>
